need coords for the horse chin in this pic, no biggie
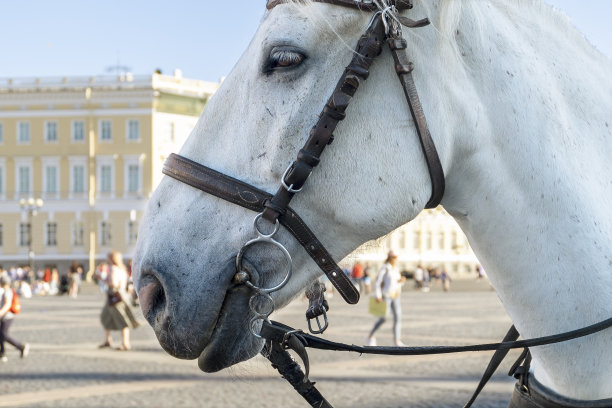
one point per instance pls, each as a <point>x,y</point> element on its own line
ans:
<point>231,342</point>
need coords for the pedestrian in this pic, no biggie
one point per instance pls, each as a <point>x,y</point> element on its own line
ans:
<point>117,314</point>
<point>357,276</point>
<point>388,288</point>
<point>367,279</point>
<point>426,276</point>
<point>74,280</point>
<point>446,280</point>
<point>419,275</point>
<point>6,320</point>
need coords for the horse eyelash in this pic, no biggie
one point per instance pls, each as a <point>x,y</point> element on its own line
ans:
<point>284,59</point>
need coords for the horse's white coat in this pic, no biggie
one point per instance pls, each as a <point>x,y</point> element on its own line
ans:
<point>520,108</point>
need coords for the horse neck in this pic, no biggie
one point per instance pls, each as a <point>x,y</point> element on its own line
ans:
<point>525,180</point>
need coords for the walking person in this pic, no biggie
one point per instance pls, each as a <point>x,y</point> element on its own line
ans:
<point>388,288</point>
<point>6,319</point>
<point>117,314</point>
<point>74,279</point>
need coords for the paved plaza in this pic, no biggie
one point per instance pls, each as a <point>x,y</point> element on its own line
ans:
<point>66,369</point>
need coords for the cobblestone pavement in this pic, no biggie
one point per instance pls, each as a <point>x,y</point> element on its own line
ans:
<point>66,369</point>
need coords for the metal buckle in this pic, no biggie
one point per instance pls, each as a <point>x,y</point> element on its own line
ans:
<point>289,188</point>
<point>321,328</point>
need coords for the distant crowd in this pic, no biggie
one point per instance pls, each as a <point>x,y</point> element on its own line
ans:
<point>113,277</point>
<point>424,278</point>
<point>47,281</point>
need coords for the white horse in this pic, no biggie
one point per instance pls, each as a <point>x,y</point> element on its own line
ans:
<point>520,109</point>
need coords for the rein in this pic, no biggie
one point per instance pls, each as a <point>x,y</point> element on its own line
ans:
<point>385,27</point>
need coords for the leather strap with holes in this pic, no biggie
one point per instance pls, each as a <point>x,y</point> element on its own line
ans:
<point>368,48</point>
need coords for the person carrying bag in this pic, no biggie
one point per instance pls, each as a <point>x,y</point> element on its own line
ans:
<point>387,291</point>
<point>116,314</point>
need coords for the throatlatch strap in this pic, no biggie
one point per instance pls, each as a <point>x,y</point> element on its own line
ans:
<point>254,199</point>
<point>404,68</point>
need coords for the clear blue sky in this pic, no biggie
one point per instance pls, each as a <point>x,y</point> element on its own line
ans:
<point>204,38</point>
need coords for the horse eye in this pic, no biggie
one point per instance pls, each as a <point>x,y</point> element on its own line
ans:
<point>283,58</point>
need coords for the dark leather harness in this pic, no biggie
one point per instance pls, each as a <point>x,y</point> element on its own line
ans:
<point>385,27</point>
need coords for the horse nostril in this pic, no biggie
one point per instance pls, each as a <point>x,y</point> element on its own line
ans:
<point>152,299</point>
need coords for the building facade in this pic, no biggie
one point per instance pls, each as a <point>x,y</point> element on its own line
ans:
<point>91,149</point>
<point>432,240</point>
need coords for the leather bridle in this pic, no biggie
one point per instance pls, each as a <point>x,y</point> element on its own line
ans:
<point>275,208</point>
<point>385,27</point>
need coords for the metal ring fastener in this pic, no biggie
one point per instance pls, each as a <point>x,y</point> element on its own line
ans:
<point>260,308</point>
<point>252,323</point>
<point>265,239</point>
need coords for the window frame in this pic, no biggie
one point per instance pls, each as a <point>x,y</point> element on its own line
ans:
<point>105,233</point>
<point>26,125</point>
<point>128,132</point>
<point>101,132</point>
<point>46,132</point>
<point>73,132</point>
<point>51,232</point>
<point>24,230</point>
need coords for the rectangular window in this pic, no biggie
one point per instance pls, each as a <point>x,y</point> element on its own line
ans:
<point>24,180</point>
<point>133,128</point>
<point>106,130</point>
<point>441,240</point>
<point>51,179</point>
<point>133,178</point>
<point>23,132</point>
<point>51,234</point>
<point>1,236</point>
<point>1,133</point>
<point>78,233</point>
<point>78,179</point>
<point>416,240</point>
<point>51,132</point>
<point>78,131</point>
<point>106,179</point>
<point>105,233</point>
<point>132,232</point>
<point>24,234</point>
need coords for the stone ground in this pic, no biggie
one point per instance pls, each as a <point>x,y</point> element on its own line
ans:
<point>66,369</point>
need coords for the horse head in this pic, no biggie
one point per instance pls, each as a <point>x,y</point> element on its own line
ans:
<point>521,130</point>
<point>251,129</point>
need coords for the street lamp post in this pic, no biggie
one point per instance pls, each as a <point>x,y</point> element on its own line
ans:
<point>30,206</point>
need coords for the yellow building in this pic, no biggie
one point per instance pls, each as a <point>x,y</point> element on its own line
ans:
<point>91,148</point>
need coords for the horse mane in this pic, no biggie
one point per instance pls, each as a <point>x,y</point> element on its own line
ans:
<point>450,16</point>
